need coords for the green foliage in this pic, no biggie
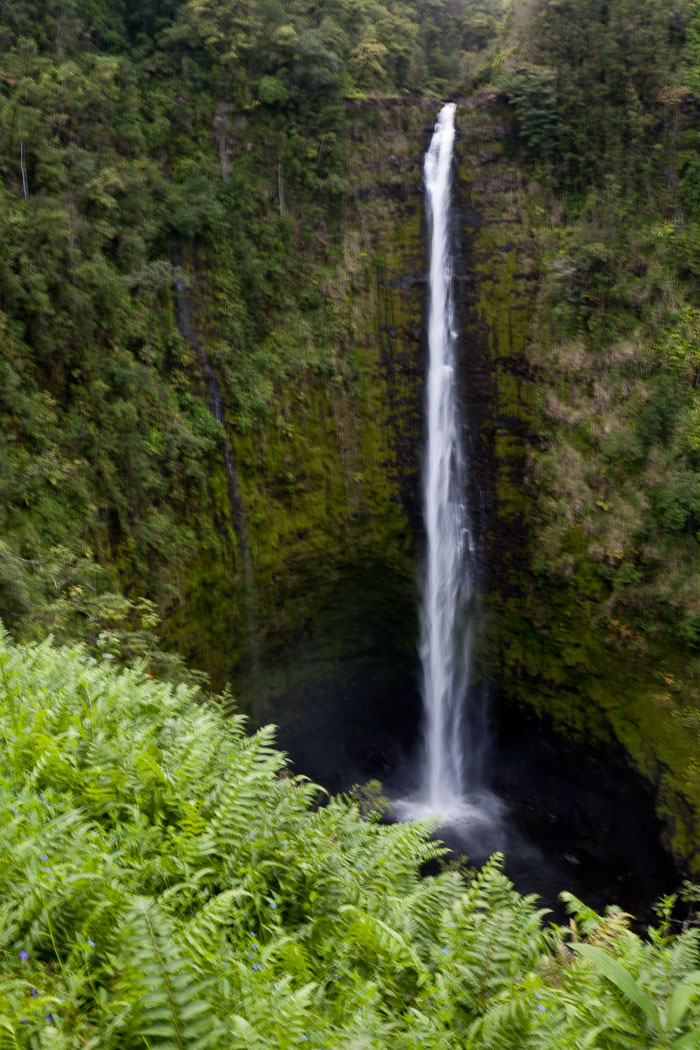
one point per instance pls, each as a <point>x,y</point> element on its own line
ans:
<point>165,878</point>
<point>370,800</point>
<point>588,78</point>
<point>70,597</point>
<point>533,96</point>
<point>142,134</point>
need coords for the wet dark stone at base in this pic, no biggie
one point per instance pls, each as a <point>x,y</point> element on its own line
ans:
<point>590,815</point>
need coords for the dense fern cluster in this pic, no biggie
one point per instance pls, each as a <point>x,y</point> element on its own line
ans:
<point>165,882</point>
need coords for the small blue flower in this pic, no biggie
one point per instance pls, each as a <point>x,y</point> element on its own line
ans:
<point>91,943</point>
<point>446,950</point>
<point>251,835</point>
<point>13,738</point>
<point>360,866</point>
<point>451,925</point>
<point>34,994</point>
<point>254,936</point>
<point>303,1038</point>
<point>336,976</point>
<point>49,1018</point>
<point>45,868</point>
<point>23,956</point>
<point>273,905</point>
<point>13,809</point>
<point>256,966</point>
<point>543,1008</point>
<point>43,857</point>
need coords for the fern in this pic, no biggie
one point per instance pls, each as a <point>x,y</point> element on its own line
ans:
<point>8,1035</point>
<point>170,1009</point>
<point>162,885</point>
<point>202,938</point>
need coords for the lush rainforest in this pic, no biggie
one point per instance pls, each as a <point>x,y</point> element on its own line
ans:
<point>212,258</point>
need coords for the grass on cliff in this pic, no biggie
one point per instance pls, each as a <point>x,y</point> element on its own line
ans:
<point>166,882</point>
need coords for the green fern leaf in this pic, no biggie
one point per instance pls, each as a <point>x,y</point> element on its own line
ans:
<point>689,1041</point>
<point>680,999</point>
<point>173,1012</point>
<point>623,980</point>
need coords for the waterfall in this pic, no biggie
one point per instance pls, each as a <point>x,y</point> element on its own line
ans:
<point>452,739</point>
<point>447,580</point>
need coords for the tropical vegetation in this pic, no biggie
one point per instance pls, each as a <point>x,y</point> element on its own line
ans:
<point>210,331</point>
<point>166,882</point>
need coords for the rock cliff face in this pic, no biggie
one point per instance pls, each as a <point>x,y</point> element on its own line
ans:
<point>329,485</point>
<point>496,295</point>
<point>547,649</point>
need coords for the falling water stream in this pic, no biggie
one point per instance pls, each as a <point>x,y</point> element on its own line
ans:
<point>548,833</point>
<point>444,643</point>
<point>450,784</point>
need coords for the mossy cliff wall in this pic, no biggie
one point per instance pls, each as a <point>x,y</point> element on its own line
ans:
<point>496,283</point>
<point>322,637</point>
<point>556,641</point>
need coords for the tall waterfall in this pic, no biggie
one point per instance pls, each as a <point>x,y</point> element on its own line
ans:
<point>447,772</point>
<point>444,649</point>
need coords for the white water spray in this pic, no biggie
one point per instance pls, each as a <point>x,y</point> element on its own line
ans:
<point>447,771</point>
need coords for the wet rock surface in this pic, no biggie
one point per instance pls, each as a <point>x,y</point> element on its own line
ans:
<point>588,814</point>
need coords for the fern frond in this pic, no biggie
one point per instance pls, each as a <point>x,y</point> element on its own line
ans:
<point>201,936</point>
<point>8,1035</point>
<point>171,1011</point>
<point>373,935</point>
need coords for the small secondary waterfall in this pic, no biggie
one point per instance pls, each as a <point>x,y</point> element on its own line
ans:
<point>448,770</point>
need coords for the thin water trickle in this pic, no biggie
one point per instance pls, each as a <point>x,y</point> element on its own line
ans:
<point>450,786</point>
